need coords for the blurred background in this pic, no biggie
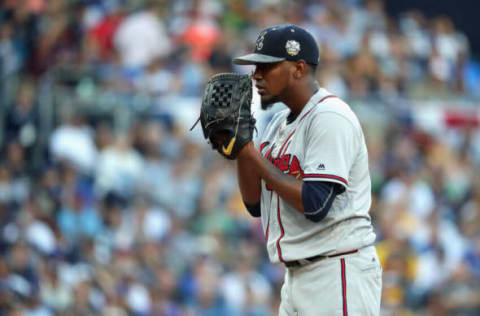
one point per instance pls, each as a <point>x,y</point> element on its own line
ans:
<point>110,206</point>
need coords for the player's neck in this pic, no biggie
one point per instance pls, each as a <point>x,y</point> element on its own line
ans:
<point>300,96</point>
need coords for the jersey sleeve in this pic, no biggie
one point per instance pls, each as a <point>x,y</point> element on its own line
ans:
<point>330,148</point>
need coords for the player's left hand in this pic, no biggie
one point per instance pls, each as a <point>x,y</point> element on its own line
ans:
<point>225,114</point>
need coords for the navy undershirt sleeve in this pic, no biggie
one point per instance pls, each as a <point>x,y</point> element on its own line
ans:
<point>254,210</point>
<point>317,198</point>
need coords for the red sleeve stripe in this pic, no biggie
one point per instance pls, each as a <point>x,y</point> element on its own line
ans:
<point>327,176</point>
<point>321,100</point>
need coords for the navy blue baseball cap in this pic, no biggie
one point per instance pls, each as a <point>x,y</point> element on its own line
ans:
<point>282,42</point>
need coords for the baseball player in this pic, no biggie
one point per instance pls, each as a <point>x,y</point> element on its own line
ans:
<point>309,181</point>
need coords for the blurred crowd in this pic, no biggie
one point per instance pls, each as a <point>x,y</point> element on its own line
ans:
<point>110,206</point>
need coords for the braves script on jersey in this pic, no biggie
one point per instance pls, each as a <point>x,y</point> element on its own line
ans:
<point>324,143</point>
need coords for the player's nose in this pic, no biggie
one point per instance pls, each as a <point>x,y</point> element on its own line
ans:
<point>256,75</point>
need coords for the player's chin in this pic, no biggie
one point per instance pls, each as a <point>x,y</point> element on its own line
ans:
<point>267,102</point>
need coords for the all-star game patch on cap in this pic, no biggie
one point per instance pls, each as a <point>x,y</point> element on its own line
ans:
<point>282,42</point>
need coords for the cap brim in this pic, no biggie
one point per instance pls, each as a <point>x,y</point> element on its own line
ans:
<point>252,59</point>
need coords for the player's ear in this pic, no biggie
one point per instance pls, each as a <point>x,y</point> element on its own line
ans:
<point>300,69</point>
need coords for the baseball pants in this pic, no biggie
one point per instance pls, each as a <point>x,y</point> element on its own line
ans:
<point>345,285</point>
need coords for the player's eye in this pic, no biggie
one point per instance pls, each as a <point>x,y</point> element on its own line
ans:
<point>265,67</point>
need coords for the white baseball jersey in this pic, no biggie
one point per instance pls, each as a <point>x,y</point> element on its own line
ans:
<point>324,143</point>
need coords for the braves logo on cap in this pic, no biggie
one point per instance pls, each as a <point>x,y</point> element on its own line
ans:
<point>292,47</point>
<point>260,39</point>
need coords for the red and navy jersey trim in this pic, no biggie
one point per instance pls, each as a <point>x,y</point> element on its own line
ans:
<point>284,143</point>
<point>263,145</point>
<point>282,231</point>
<point>321,100</point>
<point>325,176</point>
<point>344,286</point>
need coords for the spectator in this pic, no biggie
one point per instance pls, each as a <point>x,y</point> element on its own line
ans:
<point>140,38</point>
<point>22,118</point>
<point>118,168</point>
<point>73,142</point>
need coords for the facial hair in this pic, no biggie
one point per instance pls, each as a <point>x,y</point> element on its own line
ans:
<point>266,104</point>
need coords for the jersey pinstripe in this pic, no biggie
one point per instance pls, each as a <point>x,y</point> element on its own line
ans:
<point>324,143</point>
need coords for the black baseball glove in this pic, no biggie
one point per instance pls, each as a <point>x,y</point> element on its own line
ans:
<point>225,114</point>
